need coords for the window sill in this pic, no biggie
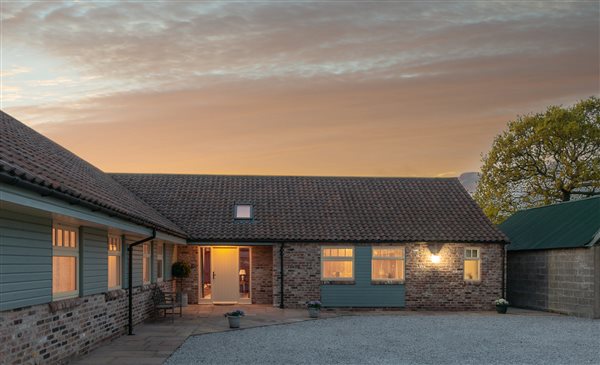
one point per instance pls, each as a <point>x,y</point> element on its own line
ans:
<point>338,282</point>
<point>64,303</point>
<point>473,282</point>
<point>387,282</point>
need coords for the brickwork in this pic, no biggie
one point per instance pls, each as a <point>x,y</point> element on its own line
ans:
<point>428,285</point>
<point>302,274</point>
<point>441,286</point>
<point>560,280</point>
<point>190,285</point>
<point>262,275</point>
<point>60,331</point>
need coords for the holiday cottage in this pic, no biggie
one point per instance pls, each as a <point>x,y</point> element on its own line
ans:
<point>79,247</point>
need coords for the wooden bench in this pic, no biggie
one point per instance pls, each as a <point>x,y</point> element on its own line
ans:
<point>167,302</point>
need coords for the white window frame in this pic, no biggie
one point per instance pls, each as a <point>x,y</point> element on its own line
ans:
<point>391,258</point>
<point>160,255</point>
<point>114,239</point>
<point>68,252</point>
<point>338,258</point>
<point>147,262</point>
<point>477,258</point>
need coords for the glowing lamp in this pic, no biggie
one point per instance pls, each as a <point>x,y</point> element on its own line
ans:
<point>435,259</point>
<point>435,249</point>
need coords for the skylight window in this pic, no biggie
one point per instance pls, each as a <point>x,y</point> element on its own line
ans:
<point>243,211</point>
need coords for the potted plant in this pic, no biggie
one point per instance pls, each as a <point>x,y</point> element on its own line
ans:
<point>314,308</point>
<point>501,305</point>
<point>181,270</point>
<point>234,318</point>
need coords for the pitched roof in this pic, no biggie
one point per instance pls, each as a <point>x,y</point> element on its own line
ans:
<point>29,158</point>
<point>323,209</point>
<point>564,225</point>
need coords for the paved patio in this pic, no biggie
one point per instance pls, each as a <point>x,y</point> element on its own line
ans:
<point>154,341</point>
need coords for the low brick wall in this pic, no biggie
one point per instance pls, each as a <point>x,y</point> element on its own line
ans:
<point>60,331</point>
<point>560,280</point>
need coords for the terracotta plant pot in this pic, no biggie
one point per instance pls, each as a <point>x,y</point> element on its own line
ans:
<point>314,312</point>
<point>234,321</point>
<point>501,309</point>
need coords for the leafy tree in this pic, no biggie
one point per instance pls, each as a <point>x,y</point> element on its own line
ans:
<point>542,159</point>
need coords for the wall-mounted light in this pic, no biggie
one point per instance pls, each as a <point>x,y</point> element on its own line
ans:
<point>435,249</point>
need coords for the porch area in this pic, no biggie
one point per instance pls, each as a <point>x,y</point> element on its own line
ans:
<point>155,340</point>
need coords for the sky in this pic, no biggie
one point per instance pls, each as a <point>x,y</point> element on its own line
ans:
<point>292,88</point>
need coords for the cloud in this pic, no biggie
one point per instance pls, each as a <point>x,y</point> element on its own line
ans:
<point>402,88</point>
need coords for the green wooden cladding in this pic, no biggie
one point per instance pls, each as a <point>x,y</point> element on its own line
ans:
<point>25,259</point>
<point>362,293</point>
<point>93,259</point>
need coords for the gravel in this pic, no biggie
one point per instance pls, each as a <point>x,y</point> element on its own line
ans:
<point>403,339</point>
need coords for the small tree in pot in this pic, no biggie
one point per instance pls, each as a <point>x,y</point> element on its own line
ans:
<point>181,270</point>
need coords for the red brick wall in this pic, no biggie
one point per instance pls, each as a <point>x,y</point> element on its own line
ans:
<point>61,331</point>
<point>190,285</point>
<point>302,273</point>
<point>262,275</point>
<point>441,286</point>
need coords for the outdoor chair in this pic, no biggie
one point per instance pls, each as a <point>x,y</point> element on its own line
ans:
<point>167,302</point>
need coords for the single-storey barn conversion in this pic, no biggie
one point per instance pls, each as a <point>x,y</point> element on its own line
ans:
<point>69,231</point>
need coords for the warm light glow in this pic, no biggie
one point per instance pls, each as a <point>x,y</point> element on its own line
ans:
<point>435,259</point>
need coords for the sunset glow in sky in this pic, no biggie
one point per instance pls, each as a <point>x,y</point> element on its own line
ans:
<point>307,88</point>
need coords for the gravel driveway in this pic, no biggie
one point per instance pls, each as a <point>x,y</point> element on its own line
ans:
<point>404,339</point>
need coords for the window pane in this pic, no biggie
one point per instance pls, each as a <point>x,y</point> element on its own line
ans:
<point>337,269</point>
<point>114,271</point>
<point>146,269</point>
<point>471,269</point>
<point>159,268</point>
<point>388,270</point>
<point>243,211</point>
<point>206,274</point>
<point>59,236</point>
<point>64,274</point>
<point>388,252</point>
<point>244,273</point>
<point>73,239</point>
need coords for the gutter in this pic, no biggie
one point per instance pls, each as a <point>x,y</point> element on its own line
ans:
<point>130,276</point>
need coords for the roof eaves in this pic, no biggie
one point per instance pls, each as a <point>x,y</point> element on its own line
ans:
<point>76,198</point>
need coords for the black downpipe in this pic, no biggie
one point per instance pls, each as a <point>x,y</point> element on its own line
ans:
<point>504,272</point>
<point>130,276</point>
<point>281,276</point>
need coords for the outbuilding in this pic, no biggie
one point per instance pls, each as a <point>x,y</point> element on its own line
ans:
<point>553,260</point>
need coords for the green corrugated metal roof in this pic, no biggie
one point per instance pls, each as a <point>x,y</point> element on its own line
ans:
<point>564,225</point>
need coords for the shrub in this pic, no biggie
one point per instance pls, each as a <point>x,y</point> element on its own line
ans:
<point>181,269</point>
